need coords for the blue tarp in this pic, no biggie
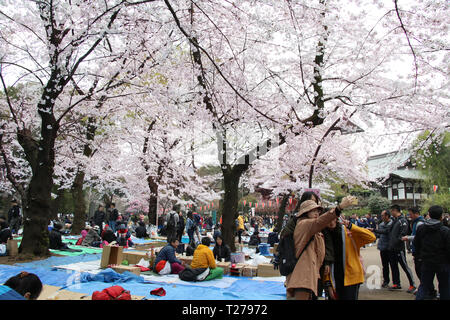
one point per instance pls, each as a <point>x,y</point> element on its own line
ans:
<point>242,289</point>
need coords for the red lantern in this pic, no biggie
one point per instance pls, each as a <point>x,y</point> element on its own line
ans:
<point>212,204</point>
<point>263,204</point>
<point>278,200</point>
<point>245,201</point>
<point>256,205</point>
<point>290,200</point>
<point>250,204</point>
<point>270,203</point>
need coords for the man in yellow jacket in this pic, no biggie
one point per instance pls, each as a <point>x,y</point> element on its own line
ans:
<point>204,258</point>
<point>240,227</point>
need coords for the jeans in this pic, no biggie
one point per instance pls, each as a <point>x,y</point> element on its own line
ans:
<point>396,258</point>
<point>112,225</point>
<point>442,272</point>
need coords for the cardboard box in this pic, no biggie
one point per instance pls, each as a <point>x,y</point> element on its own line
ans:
<point>12,247</point>
<point>238,267</point>
<point>134,257</point>
<point>225,266</point>
<point>249,271</point>
<point>111,255</point>
<point>122,269</point>
<point>267,270</point>
<point>186,259</point>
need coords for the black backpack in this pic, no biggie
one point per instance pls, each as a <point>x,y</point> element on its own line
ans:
<point>285,259</point>
<point>171,222</point>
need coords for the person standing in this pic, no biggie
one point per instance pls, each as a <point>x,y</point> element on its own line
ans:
<point>181,226</point>
<point>432,246</point>
<point>397,248</point>
<point>302,283</point>
<point>172,223</point>
<point>99,216</point>
<point>113,215</point>
<point>14,217</point>
<point>416,221</point>
<point>240,227</point>
<point>190,227</point>
<point>384,231</point>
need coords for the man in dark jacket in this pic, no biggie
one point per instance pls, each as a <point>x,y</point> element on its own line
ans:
<point>99,216</point>
<point>432,245</point>
<point>397,248</point>
<point>5,233</point>
<point>113,215</point>
<point>416,221</point>
<point>55,238</point>
<point>384,231</point>
<point>14,217</point>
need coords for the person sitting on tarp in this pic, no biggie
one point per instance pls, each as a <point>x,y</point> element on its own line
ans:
<point>92,238</point>
<point>221,250</point>
<point>141,230</point>
<point>273,238</point>
<point>55,238</point>
<point>5,232</point>
<point>24,286</point>
<point>108,235</point>
<point>166,261</point>
<point>255,240</point>
<point>79,242</point>
<point>124,237</point>
<point>204,258</point>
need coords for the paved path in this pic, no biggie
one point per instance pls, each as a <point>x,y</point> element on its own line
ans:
<point>371,256</point>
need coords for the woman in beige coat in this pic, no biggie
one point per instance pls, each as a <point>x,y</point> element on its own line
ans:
<point>302,282</point>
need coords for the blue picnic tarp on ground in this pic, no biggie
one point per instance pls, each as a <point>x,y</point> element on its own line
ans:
<point>242,289</point>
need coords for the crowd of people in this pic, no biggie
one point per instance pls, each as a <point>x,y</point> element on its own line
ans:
<point>326,245</point>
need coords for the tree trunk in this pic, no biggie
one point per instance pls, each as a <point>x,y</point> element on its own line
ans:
<point>78,203</point>
<point>153,201</point>
<point>230,205</point>
<point>38,208</point>
<point>281,212</point>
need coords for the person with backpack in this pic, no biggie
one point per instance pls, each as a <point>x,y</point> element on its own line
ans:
<point>432,246</point>
<point>309,247</point>
<point>172,223</point>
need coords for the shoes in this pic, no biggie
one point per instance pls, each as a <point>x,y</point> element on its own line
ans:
<point>395,287</point>
<point>385,284</point>
<point>411,289</point>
